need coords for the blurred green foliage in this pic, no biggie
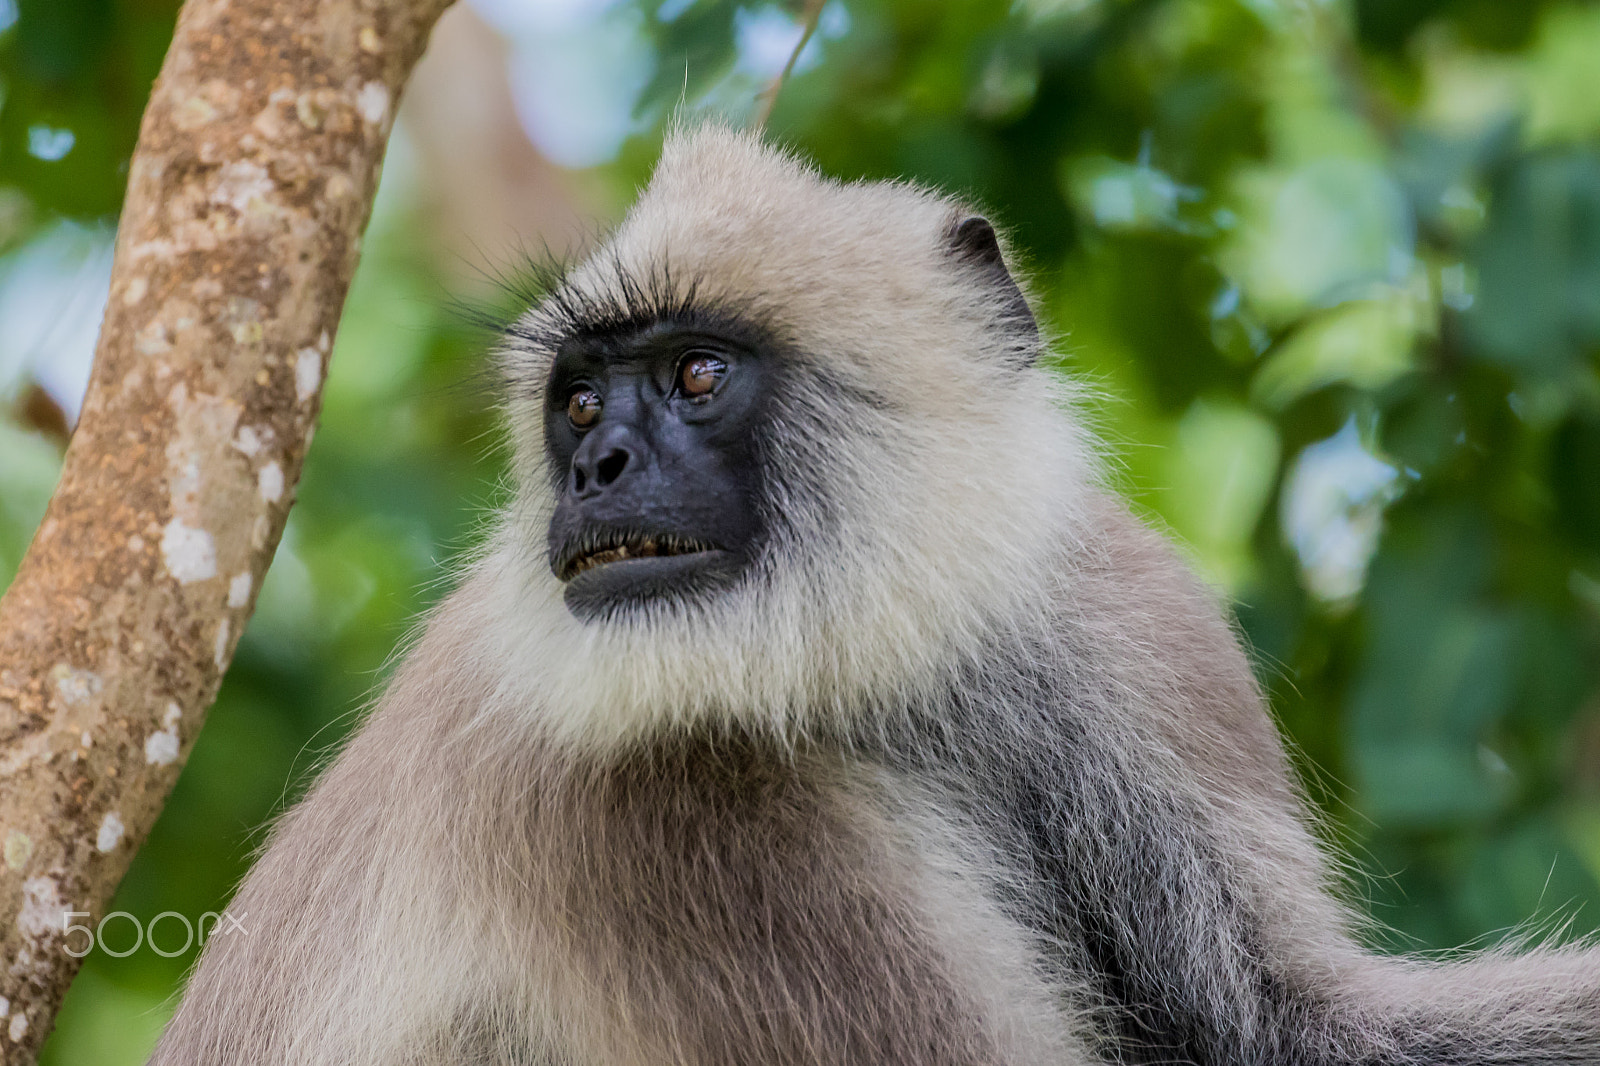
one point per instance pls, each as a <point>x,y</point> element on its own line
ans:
<point>77,73</point>
<point>1332,270</point>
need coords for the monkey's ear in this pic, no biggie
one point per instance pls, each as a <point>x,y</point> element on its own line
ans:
<point>972,241</point>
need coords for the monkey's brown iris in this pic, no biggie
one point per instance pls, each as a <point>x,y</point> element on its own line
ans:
<point>583,408</point>
<point>701,374</point>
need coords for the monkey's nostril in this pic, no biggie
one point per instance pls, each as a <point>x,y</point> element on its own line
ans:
<point>610,468</point>
<point>598,465</point>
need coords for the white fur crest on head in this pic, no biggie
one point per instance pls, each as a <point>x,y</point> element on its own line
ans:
<point>930,480</point>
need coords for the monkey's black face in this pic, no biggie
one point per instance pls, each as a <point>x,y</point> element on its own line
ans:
<point>650,435</point>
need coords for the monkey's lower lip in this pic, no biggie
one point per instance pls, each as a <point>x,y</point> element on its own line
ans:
<point>604,591</point>
<point>632,548</point>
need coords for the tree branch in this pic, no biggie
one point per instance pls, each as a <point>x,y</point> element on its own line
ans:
<point>767,99</point>
<point>253,179</point>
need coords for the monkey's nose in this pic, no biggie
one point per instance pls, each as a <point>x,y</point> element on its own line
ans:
<point>602,459</point>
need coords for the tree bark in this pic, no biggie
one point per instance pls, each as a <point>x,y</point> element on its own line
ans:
<point>257,161</point>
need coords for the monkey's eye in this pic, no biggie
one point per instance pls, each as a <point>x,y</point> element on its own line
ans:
<point>583,407</point>
<point>700,373</point>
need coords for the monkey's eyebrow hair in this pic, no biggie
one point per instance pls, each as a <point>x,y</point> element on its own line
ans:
<point>709,321</point>
<point>626,299</point>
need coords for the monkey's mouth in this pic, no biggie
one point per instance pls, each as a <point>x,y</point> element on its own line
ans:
<point>620,546</point>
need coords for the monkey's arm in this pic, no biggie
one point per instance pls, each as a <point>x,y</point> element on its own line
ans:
<point>362,943</point>
<point>353,944</point>
<point>1201,893</point>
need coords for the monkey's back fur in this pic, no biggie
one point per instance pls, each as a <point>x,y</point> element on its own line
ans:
<point>968,768</point>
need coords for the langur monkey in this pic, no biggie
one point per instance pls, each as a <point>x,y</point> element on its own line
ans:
<point>814,702</point>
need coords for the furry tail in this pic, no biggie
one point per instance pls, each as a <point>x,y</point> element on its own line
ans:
<point>1535,1007</point>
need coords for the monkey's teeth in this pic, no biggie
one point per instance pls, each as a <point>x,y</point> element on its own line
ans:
<point>645,548</point>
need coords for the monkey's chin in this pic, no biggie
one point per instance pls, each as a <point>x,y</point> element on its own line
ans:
<point>613,590</point>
